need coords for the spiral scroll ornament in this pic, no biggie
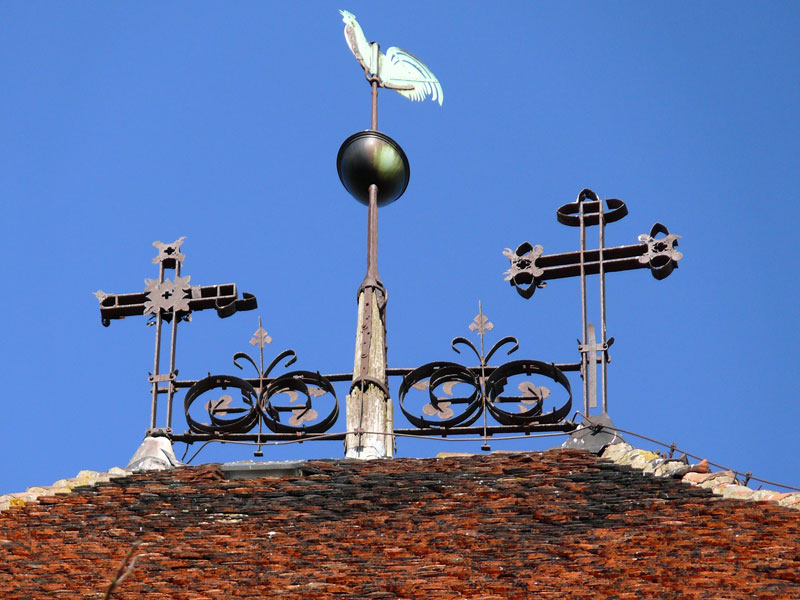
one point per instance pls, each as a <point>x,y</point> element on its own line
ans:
<point>288,403</point>
<point>450,395</point>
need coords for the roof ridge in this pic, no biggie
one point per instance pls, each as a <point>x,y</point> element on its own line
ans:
<point>721,483</point>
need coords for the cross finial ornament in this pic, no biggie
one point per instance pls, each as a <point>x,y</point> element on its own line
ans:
<point>169,253</point>
<point>530,270</point>
<point>170,301</point>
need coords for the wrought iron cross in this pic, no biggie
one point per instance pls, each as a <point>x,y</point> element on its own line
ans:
<point>530,270</point>
<point>171,301</point>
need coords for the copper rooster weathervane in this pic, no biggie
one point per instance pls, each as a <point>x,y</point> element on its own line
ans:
<point>396,70</point>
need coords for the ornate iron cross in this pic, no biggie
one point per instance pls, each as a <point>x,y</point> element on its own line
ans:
<point>530,270</point>
<point>172,301</point>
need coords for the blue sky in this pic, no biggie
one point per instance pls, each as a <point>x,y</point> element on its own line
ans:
<point>125,123</point>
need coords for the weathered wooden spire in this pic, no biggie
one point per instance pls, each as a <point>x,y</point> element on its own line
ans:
<point>374,169</point>
<point>369,408</point>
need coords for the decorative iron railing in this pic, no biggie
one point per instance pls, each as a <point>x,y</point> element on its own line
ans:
<point>442,398</point>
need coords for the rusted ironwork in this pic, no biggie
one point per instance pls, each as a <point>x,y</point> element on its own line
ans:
<point>281,407</point>
<point>442,398</point>
<point>259,401</point>
<point>483,390</point>
<point>530,269</point>
<point>170,300</point>
<point>300,405</point>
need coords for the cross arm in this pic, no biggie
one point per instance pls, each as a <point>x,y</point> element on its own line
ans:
<point>530,268</point>
<point>223,298</point>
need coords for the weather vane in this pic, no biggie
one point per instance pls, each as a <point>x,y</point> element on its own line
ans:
<point>444,398</point>
<point>396,70</point>
<point>374,169</point>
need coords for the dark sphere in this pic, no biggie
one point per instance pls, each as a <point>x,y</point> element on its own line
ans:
<point>369,157</point>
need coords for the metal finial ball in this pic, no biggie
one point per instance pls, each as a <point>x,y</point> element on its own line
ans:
<point>369,157</point>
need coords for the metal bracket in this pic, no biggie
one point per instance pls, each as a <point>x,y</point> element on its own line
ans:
<point>367,380</point>
<point>594,434</point>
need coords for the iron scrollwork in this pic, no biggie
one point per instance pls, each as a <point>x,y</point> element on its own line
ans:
<point>531,400</point>
<point>484,388</point>
<point>258,403</point>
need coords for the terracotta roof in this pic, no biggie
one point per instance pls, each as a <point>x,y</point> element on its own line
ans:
<point>554,524</point>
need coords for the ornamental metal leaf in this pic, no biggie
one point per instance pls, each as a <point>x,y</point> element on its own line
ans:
<point>302,415</point>
<point>529,390</point>
<point>169,252</point>
<point>481,324</point>
<point>661,255</point>
<point>446,387</point>
<point>219,406</point>
<point>313,391</point>
<point>443,412</point>
<point>531,394</point>
<point>167,295</point>
<point>260,337</point>
<point>523,263</point>
<point>660,246</point>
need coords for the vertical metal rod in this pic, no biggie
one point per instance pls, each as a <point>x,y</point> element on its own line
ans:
<point>483,379</point>
<point>374,79</point>
<point>172,347</point>
<point>260,358</point>
<point>604,370</point>
<point>374,121</point>
<point>372,233</point>
<point>258,439</point>
<point>480,316</point>
<point>261,335</point>
<point>584,361</point>
<point>157,359</point>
